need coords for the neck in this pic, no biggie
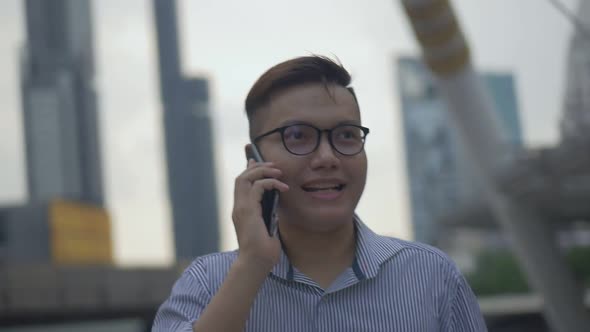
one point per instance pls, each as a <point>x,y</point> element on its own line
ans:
<point>327,253</point>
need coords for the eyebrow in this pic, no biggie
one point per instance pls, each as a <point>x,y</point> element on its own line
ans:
<point>294,122</point>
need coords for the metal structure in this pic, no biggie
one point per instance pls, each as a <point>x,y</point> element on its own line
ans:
<point>575,124</point>
<point>446,53</point>
<point>553,181</point>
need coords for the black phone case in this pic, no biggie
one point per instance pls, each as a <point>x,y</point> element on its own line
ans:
<point>268,201</point>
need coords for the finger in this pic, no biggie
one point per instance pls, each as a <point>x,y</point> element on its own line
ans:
<point>253,163</point>
<point>244,182</point>
<point>261,172</point>
<point>260,186</point>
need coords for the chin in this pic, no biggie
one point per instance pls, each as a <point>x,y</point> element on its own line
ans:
<point>325,220</point>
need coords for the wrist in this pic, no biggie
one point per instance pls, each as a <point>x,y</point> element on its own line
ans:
<point>254,264</point>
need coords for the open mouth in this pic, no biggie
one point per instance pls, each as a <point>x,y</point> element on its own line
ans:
<point>327,188</point>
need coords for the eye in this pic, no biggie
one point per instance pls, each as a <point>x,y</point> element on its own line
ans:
<point>293,134</point>
<point>296,133</point>
<point>348,133</point>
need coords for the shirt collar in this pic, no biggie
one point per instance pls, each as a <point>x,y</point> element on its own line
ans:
<point>283,269</point>
<point>372,250</point>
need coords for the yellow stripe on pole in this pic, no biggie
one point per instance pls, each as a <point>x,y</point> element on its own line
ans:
<point>439,37</point>
<point>438,31</point>
<point>450,64</point>
<point>426,10</point>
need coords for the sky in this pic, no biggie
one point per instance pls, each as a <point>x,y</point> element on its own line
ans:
<point>232,43</point>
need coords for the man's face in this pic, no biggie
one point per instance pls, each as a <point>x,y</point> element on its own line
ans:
<point>312,202</point>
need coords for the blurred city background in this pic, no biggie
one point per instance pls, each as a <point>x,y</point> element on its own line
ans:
<point>122,130</point>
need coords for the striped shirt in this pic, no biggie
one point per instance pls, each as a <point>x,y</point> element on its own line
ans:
<point>392,285</point>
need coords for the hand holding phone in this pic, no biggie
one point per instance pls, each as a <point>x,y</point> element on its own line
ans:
<point>270,201</point>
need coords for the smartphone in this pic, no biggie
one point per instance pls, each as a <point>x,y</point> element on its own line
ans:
<point>270,200</point>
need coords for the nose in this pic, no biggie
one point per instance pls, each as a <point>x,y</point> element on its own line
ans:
<point>325,156</point>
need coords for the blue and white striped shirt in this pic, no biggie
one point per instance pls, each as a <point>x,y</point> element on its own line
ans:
<point>393,285</point>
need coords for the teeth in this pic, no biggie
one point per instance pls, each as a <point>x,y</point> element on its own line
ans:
<point>337,187</point>
<point>325,186</point>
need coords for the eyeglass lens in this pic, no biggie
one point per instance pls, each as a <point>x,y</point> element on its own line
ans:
<point>304,139</point>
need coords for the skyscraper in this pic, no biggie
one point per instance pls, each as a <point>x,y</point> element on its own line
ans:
<point>189,151</point>
<point>441,177</point>
<point>59,102</point>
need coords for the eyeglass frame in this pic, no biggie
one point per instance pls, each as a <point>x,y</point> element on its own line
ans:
<point>282,129</point>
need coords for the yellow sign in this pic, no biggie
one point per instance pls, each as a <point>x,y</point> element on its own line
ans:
<point>80,233</point>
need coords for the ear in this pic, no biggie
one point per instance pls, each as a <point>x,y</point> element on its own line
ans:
<point>248,151</point>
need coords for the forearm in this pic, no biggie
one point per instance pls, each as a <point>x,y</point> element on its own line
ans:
<point>230,307</point>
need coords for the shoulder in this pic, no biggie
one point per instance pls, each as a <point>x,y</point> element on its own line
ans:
<point>430,272</point>
<point>210,269</point>
<point>421,249</point>
<point>418,254</point>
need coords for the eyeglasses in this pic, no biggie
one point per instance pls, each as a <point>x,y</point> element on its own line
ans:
<point>302,139</point>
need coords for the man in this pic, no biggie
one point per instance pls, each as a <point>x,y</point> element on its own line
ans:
<point>325,270</point>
